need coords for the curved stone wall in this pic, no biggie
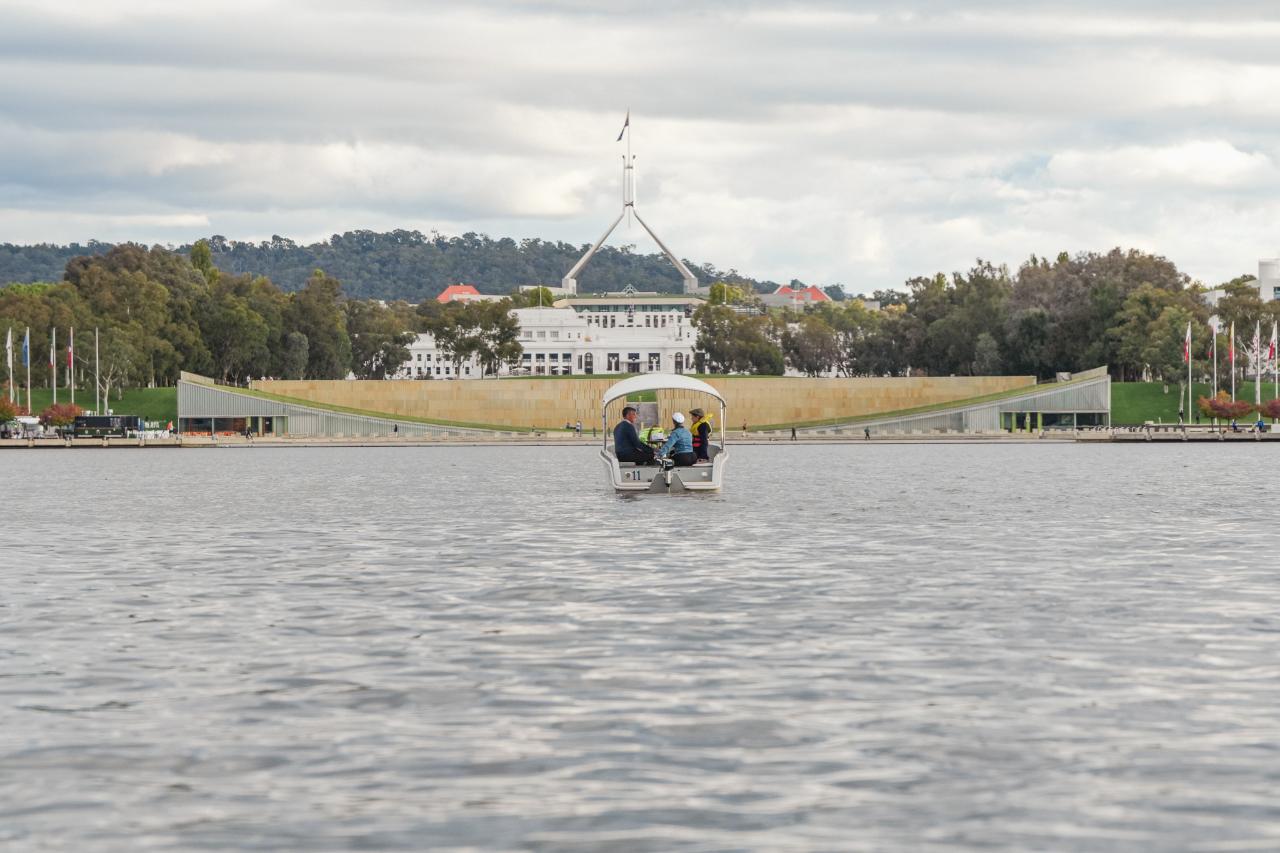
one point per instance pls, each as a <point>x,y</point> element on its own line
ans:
<point>552,402</point>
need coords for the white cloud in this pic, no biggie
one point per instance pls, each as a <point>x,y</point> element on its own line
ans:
<point>849,141</point>
<point>1198,164</point>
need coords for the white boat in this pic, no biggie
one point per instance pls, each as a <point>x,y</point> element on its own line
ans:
<point>629,477</point>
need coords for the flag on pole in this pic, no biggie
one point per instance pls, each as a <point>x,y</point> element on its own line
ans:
<point>53,345</point>
<point>26,348</point>
<point>625,125</point>
<point>1231,344</point>
<point>8,358</point>
<point>1257,375</point>
<point>71,343</point>
<point>1186,345</point>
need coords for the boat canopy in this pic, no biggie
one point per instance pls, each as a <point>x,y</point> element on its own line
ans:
<point>658,382</point>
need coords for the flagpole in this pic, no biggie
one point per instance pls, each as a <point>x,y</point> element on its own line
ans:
<point>1187,419</point>
<point>1257,345</point>
<point>97,382</point>
<point>8,357</point>
<point>26,352</point>
<point>1215,367</point>
<point>71,363</point>
<point>53,362</point>
<point>1231,353</point>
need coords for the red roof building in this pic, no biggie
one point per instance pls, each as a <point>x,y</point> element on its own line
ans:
<point>802,294</point>
<point>458,293</point>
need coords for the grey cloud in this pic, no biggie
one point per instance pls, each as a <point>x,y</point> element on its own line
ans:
<point>851,140</point>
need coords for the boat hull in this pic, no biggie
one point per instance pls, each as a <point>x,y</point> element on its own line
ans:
<point>625,477</point>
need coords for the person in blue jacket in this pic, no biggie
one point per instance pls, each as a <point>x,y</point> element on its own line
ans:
<point>679,445</point>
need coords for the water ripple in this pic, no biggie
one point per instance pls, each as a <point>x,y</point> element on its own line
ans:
<point>856,648</point>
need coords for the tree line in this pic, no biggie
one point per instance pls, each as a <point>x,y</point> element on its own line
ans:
<point>403,264</point>
<point>161,311</point>
<point>1128,310</point>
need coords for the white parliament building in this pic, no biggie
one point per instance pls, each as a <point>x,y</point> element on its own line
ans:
<point>615,333</point>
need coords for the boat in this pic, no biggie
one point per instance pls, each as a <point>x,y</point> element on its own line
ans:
<point>629,477</point>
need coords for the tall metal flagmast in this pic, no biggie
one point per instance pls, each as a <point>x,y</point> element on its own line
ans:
<point>570,282</point>
<point>26,360</point>
<point>1214,326</point>
<point>53,362</point>
<point>8,357</point>
<point>1231,356</point>
<point>1187,419</point>
<point>1257,380</point>
<point>1275,361</point>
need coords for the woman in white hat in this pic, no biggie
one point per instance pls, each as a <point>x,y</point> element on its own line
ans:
<point>679,445</point>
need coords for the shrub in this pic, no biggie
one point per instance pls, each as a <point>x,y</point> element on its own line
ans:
<point>9,410</point>
<point>1224,408</point>
<point>60,414</point>
<point>1270,409</point>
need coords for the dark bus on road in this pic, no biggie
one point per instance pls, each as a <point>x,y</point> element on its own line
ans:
<point>97,426</point>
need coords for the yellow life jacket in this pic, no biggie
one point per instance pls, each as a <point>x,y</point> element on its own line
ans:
<point>693,428</point>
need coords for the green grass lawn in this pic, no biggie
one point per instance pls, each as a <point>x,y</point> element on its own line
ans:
<point>1139,402</point>
<point>152,404</point>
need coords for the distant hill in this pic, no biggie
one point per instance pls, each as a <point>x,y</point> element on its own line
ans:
<point>43,261</point>
<point>404,264</point>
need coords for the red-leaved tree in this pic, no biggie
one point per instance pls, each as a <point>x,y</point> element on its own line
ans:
<point>1224,408</point>
<point>9,410</point>
<point>60,414</point>
<point>1270,409</point>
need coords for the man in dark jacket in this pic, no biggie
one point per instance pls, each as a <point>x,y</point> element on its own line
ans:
<point>627,446</point>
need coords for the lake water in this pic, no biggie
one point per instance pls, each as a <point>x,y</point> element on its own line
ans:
<point>866,647</point>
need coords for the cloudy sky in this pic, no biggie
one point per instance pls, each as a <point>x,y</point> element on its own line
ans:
<point>854,142</point>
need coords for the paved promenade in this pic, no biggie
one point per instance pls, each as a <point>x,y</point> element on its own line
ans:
<point>559,439</point>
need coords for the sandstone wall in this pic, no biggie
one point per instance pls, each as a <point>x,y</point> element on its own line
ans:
<point>551,402</point>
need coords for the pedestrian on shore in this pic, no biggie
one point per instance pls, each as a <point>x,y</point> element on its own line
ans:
<point>793,433</point>
<point>578,428</point>
<point>866,433</point>
<point>744,429</point>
